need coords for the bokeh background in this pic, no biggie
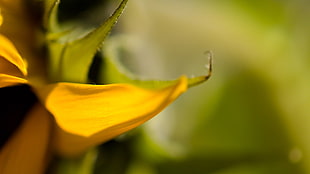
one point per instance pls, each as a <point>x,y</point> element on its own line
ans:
<point>251,117</point>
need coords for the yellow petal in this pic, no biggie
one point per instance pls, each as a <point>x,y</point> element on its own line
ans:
<point>91,114</point>
<point>9,53</point>
<point>18,25</point>
<point>7,80</point>
<point>21,28</point>
<point>26,150</point>
<point>1,18</point>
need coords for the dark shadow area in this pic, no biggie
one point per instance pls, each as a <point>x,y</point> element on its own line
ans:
<point>15,102</point>
<point>114,157</point>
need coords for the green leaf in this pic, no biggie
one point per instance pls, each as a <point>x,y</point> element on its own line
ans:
<point>70,60</point>
<point>114,72</point>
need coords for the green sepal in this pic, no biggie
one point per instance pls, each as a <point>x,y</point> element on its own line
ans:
<point>71,58</point>
<point>50,21</point>
<point>114,72</point>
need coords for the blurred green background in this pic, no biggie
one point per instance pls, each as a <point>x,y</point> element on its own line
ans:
<point>251,117</point>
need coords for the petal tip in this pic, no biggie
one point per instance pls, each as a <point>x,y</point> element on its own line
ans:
<point>10,53</point>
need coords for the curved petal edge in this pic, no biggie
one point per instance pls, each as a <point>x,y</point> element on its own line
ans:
<point>88,115</point>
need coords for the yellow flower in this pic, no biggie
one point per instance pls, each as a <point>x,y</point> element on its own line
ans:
<point>83,115</point>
